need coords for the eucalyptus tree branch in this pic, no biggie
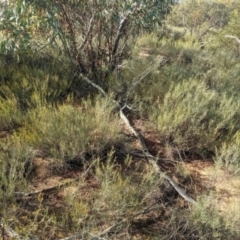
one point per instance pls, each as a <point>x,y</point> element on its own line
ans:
<point>100,89</point>
<point>90,27</point>
<point>122,25</point>
<point>73,51</point>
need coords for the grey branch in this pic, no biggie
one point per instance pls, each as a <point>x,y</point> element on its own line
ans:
<point>154,164</point>
<point>234,37</point>
<point>143,145</point>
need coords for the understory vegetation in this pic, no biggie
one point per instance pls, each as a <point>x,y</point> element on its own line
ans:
<point>70,168</point>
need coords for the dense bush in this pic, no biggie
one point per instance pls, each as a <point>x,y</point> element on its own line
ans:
<point>67,131</point>
<point>15,163</point>
<point>10,116</point>
<point>194,118</point>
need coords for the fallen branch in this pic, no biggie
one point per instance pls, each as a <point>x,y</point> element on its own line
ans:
<point>234,37</point>
<point>145,150</point>
<point>150,158</point>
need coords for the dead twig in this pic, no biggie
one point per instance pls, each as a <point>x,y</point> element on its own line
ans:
<point>150,158</point>
<point>234,37</point>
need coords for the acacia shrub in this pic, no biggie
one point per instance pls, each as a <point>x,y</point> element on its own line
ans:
<point>228,154</point>
<point>196,119</point>
<point>67,132</point>
<point>40,80</point>
<point>11,116</point>
<point>15,162</point>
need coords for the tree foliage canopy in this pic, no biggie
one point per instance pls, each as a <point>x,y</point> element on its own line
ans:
<point>93,34</point>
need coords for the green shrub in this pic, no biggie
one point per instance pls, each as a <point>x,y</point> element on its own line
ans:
<point>15,164</point>
<point>10,115</point>
<point>118,197</point>
<point>194,118</point>
<point>203,221</point>
<point>67,131</point>
<point>34,86</point>
<point>228,155</point>
<point>196,14</point>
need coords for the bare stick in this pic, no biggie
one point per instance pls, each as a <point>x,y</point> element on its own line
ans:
<point>234,37</point>
<point>150,157</point>
<point>100,89</point>
<point>154,164</point>
<point>145,150</point>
